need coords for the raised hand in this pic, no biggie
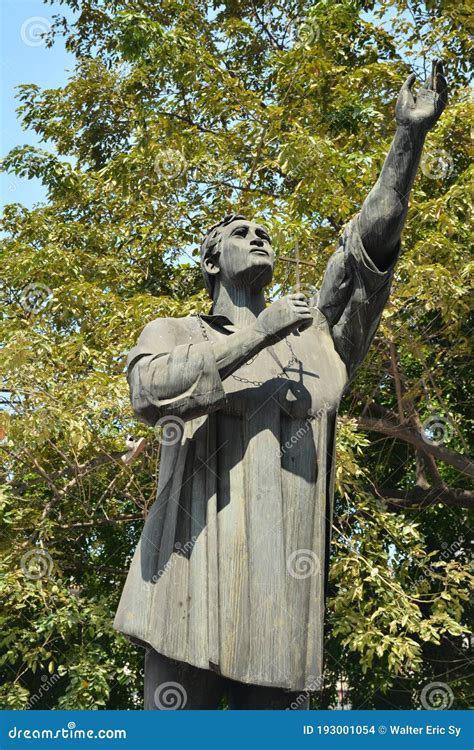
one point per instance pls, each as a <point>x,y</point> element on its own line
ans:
<point>287,314</point>
<point>423,109</point>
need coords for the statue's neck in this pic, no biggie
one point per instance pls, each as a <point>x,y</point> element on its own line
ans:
<point>241,305</point>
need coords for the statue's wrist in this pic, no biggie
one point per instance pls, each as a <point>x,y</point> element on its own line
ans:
<point>264,337</point>
<point>416,129</point>
<point>259,332</point>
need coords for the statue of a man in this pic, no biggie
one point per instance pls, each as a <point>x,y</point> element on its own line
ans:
<point>226,589</point>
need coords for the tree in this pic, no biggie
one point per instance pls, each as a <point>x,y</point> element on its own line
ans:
<point>176,114</point>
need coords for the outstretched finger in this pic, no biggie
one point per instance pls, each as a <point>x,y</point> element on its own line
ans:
<point>431,82</point>
<point>440,83</point>
<point>408,85</point>
<point>406,93</point>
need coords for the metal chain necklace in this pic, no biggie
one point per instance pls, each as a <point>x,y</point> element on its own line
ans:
<point>292,361</point>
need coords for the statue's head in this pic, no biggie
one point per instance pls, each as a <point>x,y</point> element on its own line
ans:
<point>237,252</point>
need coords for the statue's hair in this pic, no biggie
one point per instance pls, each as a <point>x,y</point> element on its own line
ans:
<point>211,245</point>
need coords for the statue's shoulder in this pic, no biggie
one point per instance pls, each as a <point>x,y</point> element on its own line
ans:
<point>161,335</point>
<point>173,330</point>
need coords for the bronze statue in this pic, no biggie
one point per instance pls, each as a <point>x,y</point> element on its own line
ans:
<point>227,586</point>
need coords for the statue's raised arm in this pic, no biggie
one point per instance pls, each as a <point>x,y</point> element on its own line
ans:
<point>358,278</point>
<point>384,211</point>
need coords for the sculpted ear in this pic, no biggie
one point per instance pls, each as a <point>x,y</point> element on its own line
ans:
<point>211,264</point>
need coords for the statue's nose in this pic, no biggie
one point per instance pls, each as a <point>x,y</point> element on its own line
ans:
<point>257,243</point>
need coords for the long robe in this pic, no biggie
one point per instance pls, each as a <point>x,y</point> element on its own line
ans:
<point>231,567</point>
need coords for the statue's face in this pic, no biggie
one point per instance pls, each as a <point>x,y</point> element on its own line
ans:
<point>245,256</point>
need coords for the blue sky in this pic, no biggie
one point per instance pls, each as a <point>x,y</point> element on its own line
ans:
<point>25,59</point>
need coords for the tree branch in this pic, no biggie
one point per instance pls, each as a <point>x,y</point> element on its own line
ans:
<point>425,464</point>
<point>462,463</point>
<point>95,569</point>
<point>101,522</point>
<point>420,497</point>
<point>240,187</point>
<point>188,120</point>
<point>398,384</point>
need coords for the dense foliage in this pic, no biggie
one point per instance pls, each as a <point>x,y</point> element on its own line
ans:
<point>177,113</point>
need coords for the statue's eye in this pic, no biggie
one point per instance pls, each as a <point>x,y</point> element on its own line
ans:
<point>262,235</point>
<point>240,232</point>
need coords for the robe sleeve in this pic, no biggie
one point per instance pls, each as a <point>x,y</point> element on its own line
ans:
<point>169,375</point>
<point>353,295</point>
